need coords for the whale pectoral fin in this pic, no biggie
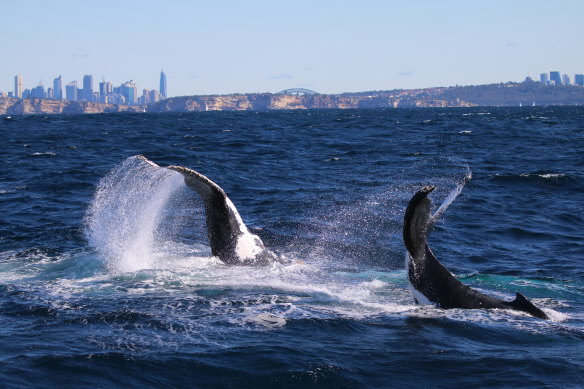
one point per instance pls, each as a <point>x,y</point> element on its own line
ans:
<point>521,303</point>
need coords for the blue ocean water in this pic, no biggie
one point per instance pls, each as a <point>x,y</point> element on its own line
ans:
<point>106,278</point>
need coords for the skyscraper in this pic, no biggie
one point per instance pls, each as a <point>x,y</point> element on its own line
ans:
<point>130,92</point>
<point>579,79</point>
<point>58,88</point>
<point>71,90</point>
<point>566,80</point>
<point>87,87</point>
<point>543,78</point>
<point>38,92</point>
<point>163,84</point>
<point>154,96</point>
<point>18,86</point>
<point>105,89</point>
<point>555,77</point>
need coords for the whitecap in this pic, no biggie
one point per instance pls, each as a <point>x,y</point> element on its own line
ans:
<point>45,154</point>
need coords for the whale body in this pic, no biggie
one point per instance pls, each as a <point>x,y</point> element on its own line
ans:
<point>229,238</point>
<point>430,280</point>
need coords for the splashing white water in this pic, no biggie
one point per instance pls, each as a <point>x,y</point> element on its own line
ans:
<point>450,198</point>
<point>125,211</point>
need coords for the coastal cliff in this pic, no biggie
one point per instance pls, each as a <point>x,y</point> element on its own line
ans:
<point>267,101</point>
<point>503,94</point>
<point>13,106</point>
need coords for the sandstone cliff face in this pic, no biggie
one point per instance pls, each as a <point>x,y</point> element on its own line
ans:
<point>258,102</point>
<point>213,103</point>
<point>266,101</point>
<point>255,102</point>
<point>12,106</point>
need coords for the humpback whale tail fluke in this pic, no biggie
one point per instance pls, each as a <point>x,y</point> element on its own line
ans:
<point>429,279</point>
<point>229,238</point>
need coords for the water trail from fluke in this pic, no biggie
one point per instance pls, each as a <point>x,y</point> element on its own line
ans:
<point>126,209</point>
<point>451,197</point>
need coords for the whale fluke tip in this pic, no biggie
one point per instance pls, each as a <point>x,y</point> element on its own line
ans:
<point>521,303</point>
<point>144,159</point>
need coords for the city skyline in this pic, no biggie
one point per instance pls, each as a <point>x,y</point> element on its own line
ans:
<point>126,93</point>
<point>261,46</point>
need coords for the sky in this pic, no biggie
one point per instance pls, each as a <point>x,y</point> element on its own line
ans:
<point>330,46</point>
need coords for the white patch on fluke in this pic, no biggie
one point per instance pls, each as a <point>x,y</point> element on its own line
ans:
<point>248,246</point>
<point>418,296</point>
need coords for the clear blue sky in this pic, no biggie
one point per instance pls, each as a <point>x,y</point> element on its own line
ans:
<point>228,46</point>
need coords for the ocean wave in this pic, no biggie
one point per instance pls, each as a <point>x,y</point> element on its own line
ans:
<point>476,114</point>
<point>10,190</point>
<point>542,177</point>
<point>43,154</point>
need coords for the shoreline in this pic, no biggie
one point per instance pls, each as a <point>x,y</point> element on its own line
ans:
<point>493,95</point>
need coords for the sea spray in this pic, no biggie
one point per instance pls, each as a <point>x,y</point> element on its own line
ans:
<point>125,212</point>
<point>451,196</point>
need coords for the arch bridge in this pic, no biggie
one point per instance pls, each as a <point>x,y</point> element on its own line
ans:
<point>297,92</point>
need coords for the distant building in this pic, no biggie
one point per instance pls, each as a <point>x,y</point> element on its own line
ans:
<point>130,92</point>
<point>145,98</point>
<point>58,88</point>
<point>163,91</point>
<point>579,79</point>
<point>87,87</point>
<point>154,96</point>
<point>38,92</point>
<point>105,90</point>
<point>566,80</point>
<point>18,86</point>
<point>71,91</point>
<point>543,78</point>
<point>555,77</point>
<point>149,97</point>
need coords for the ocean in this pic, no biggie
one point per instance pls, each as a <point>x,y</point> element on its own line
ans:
<point>107,278</point>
